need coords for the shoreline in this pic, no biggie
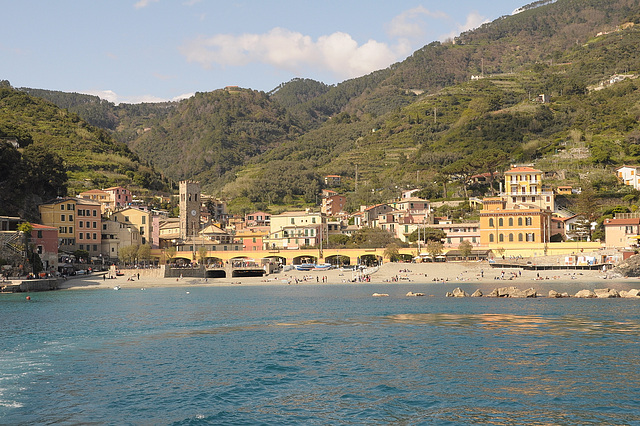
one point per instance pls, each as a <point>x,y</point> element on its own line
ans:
<point>452,273</point>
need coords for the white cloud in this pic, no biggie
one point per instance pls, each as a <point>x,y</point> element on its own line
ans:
<point>143,3</point>
<point>410,24</point>
<point>337,53</point>
<point>474,20</point>
<point>112,96</point>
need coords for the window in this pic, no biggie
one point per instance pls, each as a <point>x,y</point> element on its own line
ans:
<point>510,221</point>
<point>61,206</point>
<point>95,247</point>
<point>144,220</point>
<point>501,238</point>
<point>528,221</point>
<point>62,218</point>
<point>490,238</point>
<point>80,224</point>
<point>520,222</point>
<point>491,222</point>
<point>95,236</point>
<point>500,222</point>
<point>628,229</point>
<point>510,238</point>
<point>95,213</point>
<point>293,221</point>
<point>520,237</point>
<point>95,225</point>
<point>531,237</point>
<point>39,234</point>
<point>89,224</point>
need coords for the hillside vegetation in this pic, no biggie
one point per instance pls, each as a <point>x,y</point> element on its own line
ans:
<point>89,155</point>
<point>420,123</point>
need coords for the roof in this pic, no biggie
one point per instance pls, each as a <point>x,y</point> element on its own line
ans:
<point>523,169</point>
<point>378,205</point>
<point>632,221</point>
<point>628,166</point>
<point>38,226</point>
<point>563,219</point>
<point>93,191</point>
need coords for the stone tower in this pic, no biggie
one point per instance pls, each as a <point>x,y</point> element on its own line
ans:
<point>189,208</point>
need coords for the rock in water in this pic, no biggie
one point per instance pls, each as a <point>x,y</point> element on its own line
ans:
<point>585,294</point>
<point>606,293</point>
<point>477,293</point>
<point>459,293</point>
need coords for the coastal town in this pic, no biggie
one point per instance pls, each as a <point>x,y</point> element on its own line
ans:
<point>97,230</point>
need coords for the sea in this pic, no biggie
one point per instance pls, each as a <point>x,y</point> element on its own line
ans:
<point>319,355</point>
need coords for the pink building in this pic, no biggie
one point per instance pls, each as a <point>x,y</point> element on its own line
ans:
<point>121,196</point>
<point>45,241</point>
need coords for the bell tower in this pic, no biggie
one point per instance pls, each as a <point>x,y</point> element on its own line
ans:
<point>189,208</point>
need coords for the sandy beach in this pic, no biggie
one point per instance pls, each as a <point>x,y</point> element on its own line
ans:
<point>451,273</point>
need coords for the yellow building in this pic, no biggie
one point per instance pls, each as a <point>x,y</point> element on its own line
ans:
<point>293,230</point>
<point>523,185</point>
<point>139,218</point>
<point>523,223</point>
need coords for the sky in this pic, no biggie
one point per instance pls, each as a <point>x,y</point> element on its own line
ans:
<point>159,50</point>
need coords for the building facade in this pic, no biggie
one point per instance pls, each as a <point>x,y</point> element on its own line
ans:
<point>79,223</point>
<point>523,185</point>
<point>292,230</point>
<point>190,205</point>
<point>524,223</point>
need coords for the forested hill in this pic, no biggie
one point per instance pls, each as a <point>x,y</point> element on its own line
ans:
<point>88,156</point>
<point>419,122</point>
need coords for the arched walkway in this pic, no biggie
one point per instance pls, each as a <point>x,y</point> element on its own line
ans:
<point>370,260</point>
<point>299,260</point>
<point>338,260</point>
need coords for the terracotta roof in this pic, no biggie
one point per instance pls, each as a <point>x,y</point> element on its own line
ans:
<point>632,221</point>
<point>522,169</point>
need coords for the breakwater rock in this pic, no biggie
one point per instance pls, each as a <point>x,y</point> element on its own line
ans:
<point>513,292</point>
<point>627,268</point>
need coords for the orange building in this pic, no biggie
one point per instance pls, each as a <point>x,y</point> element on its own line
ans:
<point>523,223</point>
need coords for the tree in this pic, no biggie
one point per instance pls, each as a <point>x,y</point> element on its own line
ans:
<point>144,253</point>
<point>463,170</point>
<point>26,228</point>
<point>490,161</point>
<point>202,254</point>
<point>465,248</point>
<point>434,248</point>
<point>170,253</point>
<point>392,252</point>
<point>127,254</point>
<point>427,234</point>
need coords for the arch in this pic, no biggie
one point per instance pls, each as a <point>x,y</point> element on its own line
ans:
<point>510,221</point>
<point>338,260</point>
<point>501,238</point>
<point>510,237</point>
<point>500,222</point>
<point>490,238</point>
<point>277,259</point>
<point>520,222</point>
<point>370,260</point>
<point>299,260</point>
<point>212,262</point>
<point>215,273</point>
<point>520,237</point>
<point>490,222</point>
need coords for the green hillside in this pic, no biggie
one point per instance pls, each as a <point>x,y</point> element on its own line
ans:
<point>91,157</point>
<point>423,122</point>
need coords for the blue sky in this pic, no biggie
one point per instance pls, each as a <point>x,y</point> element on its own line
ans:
<point>154,50</point>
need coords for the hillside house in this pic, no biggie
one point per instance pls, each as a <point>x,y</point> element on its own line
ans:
<point>622,233</point>
<point>628,175</point>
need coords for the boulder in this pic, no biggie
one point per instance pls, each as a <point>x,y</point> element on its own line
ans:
<point>585,294</point>
<point>459,293</point>
<point>631,293</point>
<point>513,292</point>
<point>412,294</point>
<point>555,294</point>
<point>477,293</point>
<point>380,295</point>
<point>606,293</point>
<point>449,294</point>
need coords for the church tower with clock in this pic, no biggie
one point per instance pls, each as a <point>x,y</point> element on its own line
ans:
<point>189,208</point>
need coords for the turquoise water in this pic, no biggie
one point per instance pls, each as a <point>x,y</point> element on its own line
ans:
<point>317,355</point>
